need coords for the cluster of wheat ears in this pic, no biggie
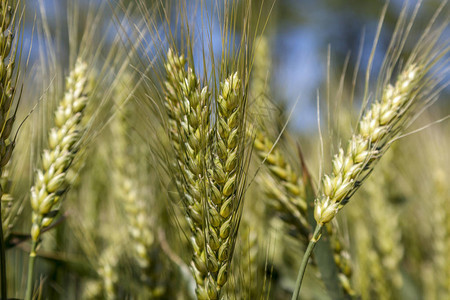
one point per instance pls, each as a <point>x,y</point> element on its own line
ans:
<point>159,165</point>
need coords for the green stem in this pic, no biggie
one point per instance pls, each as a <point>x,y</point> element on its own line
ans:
<point>2,257</point>
<point>309,249</point>
<point>29,291</point>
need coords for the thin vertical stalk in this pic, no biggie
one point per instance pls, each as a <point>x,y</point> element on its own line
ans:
<point>309,249</point>
<point>29,291</point>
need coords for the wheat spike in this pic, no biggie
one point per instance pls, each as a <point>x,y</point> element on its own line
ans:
<point>441,241</point>
<point>188,111</point>
<point>283,184</point>
<point>62,147</point>
<point>378,126</point>
<point>7,91</point>
<point>225,176</point>
<point>125,176</point>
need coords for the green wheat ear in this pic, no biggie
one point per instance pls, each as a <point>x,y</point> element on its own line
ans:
<point>7,92</point>
<point>187,106</point>
<point>225,175</point>
<point>63,145</point>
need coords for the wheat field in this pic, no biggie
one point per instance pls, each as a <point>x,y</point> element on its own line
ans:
<point>152,149</point>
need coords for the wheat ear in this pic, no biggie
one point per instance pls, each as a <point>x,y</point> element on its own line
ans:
<point>441,241</point>
<point>188,111</point>
<point>108,273</point>
<point>380,124</point>
<point>223,202</point>
<point>126,177</point>
<point>283,184</point>
<point>8,206</point>
<point>375,131</point>
<point>63,145</point>
<point>6,121</point>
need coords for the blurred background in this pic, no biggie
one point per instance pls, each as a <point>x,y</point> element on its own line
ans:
<point>300,33</point>
<point>311,43</point>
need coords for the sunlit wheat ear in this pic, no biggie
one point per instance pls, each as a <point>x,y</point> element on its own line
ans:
<point>62,147</point>
<point>287,190</point>
<point>188,111</point>
<point>378,126</point>
<point>225,175</point>
<point>441,229</point>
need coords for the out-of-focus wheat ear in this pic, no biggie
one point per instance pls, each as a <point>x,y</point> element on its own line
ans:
<point>63,144</point>
<point>282,184</point>
<point>225,175</point>
<point>368,264</point>
<point>249,264</point>
<point>441,240</point>
<point>288,191</point>
<point>108,273</point>
<point>259,91</point>
<point>342,259</point>
<point>187,107</point>
<point>126,183</point>
<point>386,223</point>
<point>92,289</point>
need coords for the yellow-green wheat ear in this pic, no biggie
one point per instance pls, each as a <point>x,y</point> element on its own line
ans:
<point>126,177</point>
<point>223,201</point>
<point>7,91</point>
<point>187,107</point>
<point>6,85</point>
<point>379,124</point>
<point>63,144</point>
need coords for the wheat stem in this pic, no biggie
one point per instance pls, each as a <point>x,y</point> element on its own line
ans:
<point>2,259</point>
<point>29,290</point>
<point>308,252</point>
